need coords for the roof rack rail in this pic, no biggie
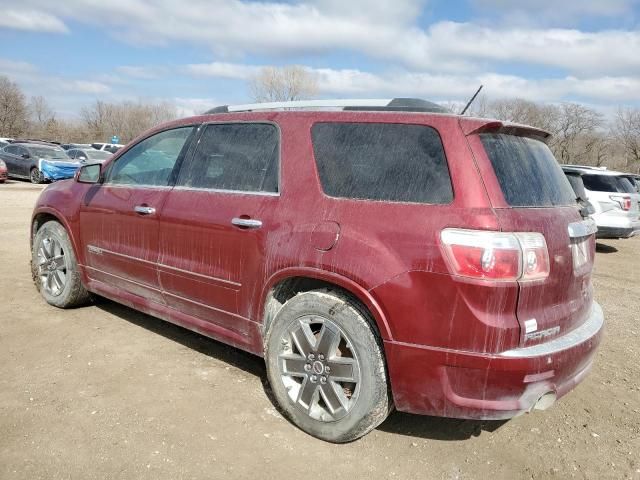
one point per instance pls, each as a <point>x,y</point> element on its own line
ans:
<point>372,104</point>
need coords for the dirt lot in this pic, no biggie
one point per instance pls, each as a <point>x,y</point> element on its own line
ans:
<point>106,392</point>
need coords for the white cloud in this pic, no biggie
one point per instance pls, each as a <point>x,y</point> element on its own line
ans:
<point>143,72</point>
<point>385,30</point>
<point>223,70</point>
<point>31,19</point>
<point>555,11</point>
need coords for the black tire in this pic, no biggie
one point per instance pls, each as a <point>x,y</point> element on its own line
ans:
<point>35,176</point>
<point>72,293</point>
<point>370,402</point>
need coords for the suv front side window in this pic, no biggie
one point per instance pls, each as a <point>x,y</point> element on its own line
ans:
<point>151,161</point>
<point>234,157</point>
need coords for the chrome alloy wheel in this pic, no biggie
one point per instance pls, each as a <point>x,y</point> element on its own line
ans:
<point>52,266</point>
<point>319,368</point>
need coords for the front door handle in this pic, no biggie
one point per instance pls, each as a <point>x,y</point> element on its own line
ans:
<point>144,210</point>
<point>246,222</point>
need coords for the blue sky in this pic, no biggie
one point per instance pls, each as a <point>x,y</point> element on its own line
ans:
<point>77,51</point>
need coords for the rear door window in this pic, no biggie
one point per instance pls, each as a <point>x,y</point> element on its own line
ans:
<point>382,161</point>
<point>527,171</point>
<point>235,157</point>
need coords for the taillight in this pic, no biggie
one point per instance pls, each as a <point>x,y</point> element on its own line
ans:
<point>496,255</point>
<point>624,202</point>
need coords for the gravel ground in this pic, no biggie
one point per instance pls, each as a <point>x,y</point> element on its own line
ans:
<point>106,392</point>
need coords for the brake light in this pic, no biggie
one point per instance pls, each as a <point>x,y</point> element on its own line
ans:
<point>624,202</point>
<point>496,255</point>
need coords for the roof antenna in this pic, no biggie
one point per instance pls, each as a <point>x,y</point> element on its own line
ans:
<point>471,101</point>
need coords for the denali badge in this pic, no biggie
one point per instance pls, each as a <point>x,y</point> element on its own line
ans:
<point>549,332</point>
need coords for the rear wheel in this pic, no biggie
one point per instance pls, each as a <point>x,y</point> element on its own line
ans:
<point>36,176</point>
<point>55,269</point>
<point>326,366</point>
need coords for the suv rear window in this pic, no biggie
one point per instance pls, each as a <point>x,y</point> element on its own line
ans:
<point>380,161</point>
<point>607,183</point>
<point>527,171</point>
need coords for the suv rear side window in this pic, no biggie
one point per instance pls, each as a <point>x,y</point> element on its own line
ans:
<point>527,171</point>
<point>235,156</point>
<point>382,161</point>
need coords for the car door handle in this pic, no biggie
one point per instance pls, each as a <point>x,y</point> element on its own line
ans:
<point>246,222</point>
<point>144,210</point>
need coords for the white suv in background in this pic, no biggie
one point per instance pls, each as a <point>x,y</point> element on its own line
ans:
<point>615,199</point>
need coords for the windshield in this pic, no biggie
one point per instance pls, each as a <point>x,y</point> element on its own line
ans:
<point>97,154</point>
<point>607,183</point>
<point>49,153</point>
<point>527,171</point>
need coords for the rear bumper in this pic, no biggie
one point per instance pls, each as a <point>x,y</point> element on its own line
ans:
<point>618,232</point>
<point>450,383</point>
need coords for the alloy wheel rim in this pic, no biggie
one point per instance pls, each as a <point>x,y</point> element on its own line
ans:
<point>52,266</point>
<point>35,176</point>
<point>319,368</point>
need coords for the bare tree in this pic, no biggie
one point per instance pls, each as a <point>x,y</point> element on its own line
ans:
<point>627,131</point>
<point>13,109</point>
<point>289,83</point>
<point>575,122</point>
<point>126,120</point>
<point>42,119</point>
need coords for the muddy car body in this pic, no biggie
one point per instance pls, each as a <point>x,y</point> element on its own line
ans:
<point>375,256</point>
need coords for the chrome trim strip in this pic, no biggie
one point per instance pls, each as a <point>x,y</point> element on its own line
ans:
<point>98,251</point>
<point>217,190</point>
<point>584,332</point>
<point>206,277</point>
<point>583,228</point>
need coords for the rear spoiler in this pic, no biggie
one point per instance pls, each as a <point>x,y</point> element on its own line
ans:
<point>475,126</point>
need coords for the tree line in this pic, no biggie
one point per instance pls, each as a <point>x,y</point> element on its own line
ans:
<point>33,118</point>
<point>581,134</point>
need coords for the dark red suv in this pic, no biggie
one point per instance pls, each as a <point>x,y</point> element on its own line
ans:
<point>377,254</point>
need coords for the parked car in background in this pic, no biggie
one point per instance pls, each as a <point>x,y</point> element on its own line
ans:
<point>615,199</point>
<point>3,172</point>
<point>6,139</point>
<point>575,179</point>
<point>109,147</point>
<point>37,162</point>
<point>88,154</point>
<point>374,252</point>
<point>68,146</point>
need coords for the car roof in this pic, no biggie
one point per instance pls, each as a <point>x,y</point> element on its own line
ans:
<point>586,170</point>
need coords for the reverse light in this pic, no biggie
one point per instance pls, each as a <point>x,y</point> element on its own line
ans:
<point>623,201</point>
<point>496,256</point>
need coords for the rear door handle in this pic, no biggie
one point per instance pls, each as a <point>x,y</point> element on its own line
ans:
<point>246,222</point>
<point>144,210</point>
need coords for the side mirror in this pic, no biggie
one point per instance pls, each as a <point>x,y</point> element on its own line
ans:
<point>89,173</point>
<point>26,156</point>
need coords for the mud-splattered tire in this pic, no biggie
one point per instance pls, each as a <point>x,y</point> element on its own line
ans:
<point>54,268</point>
<point>326,366</point>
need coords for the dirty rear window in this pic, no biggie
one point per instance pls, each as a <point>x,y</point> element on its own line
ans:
<point>527,171</point>
<point>384,162</point>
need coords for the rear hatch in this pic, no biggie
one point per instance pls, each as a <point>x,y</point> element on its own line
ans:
<point>530,193</point>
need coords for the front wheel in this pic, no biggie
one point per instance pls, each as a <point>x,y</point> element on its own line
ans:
<point>36,176</point>
<point>55,269</point>
<point>326,366</point>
